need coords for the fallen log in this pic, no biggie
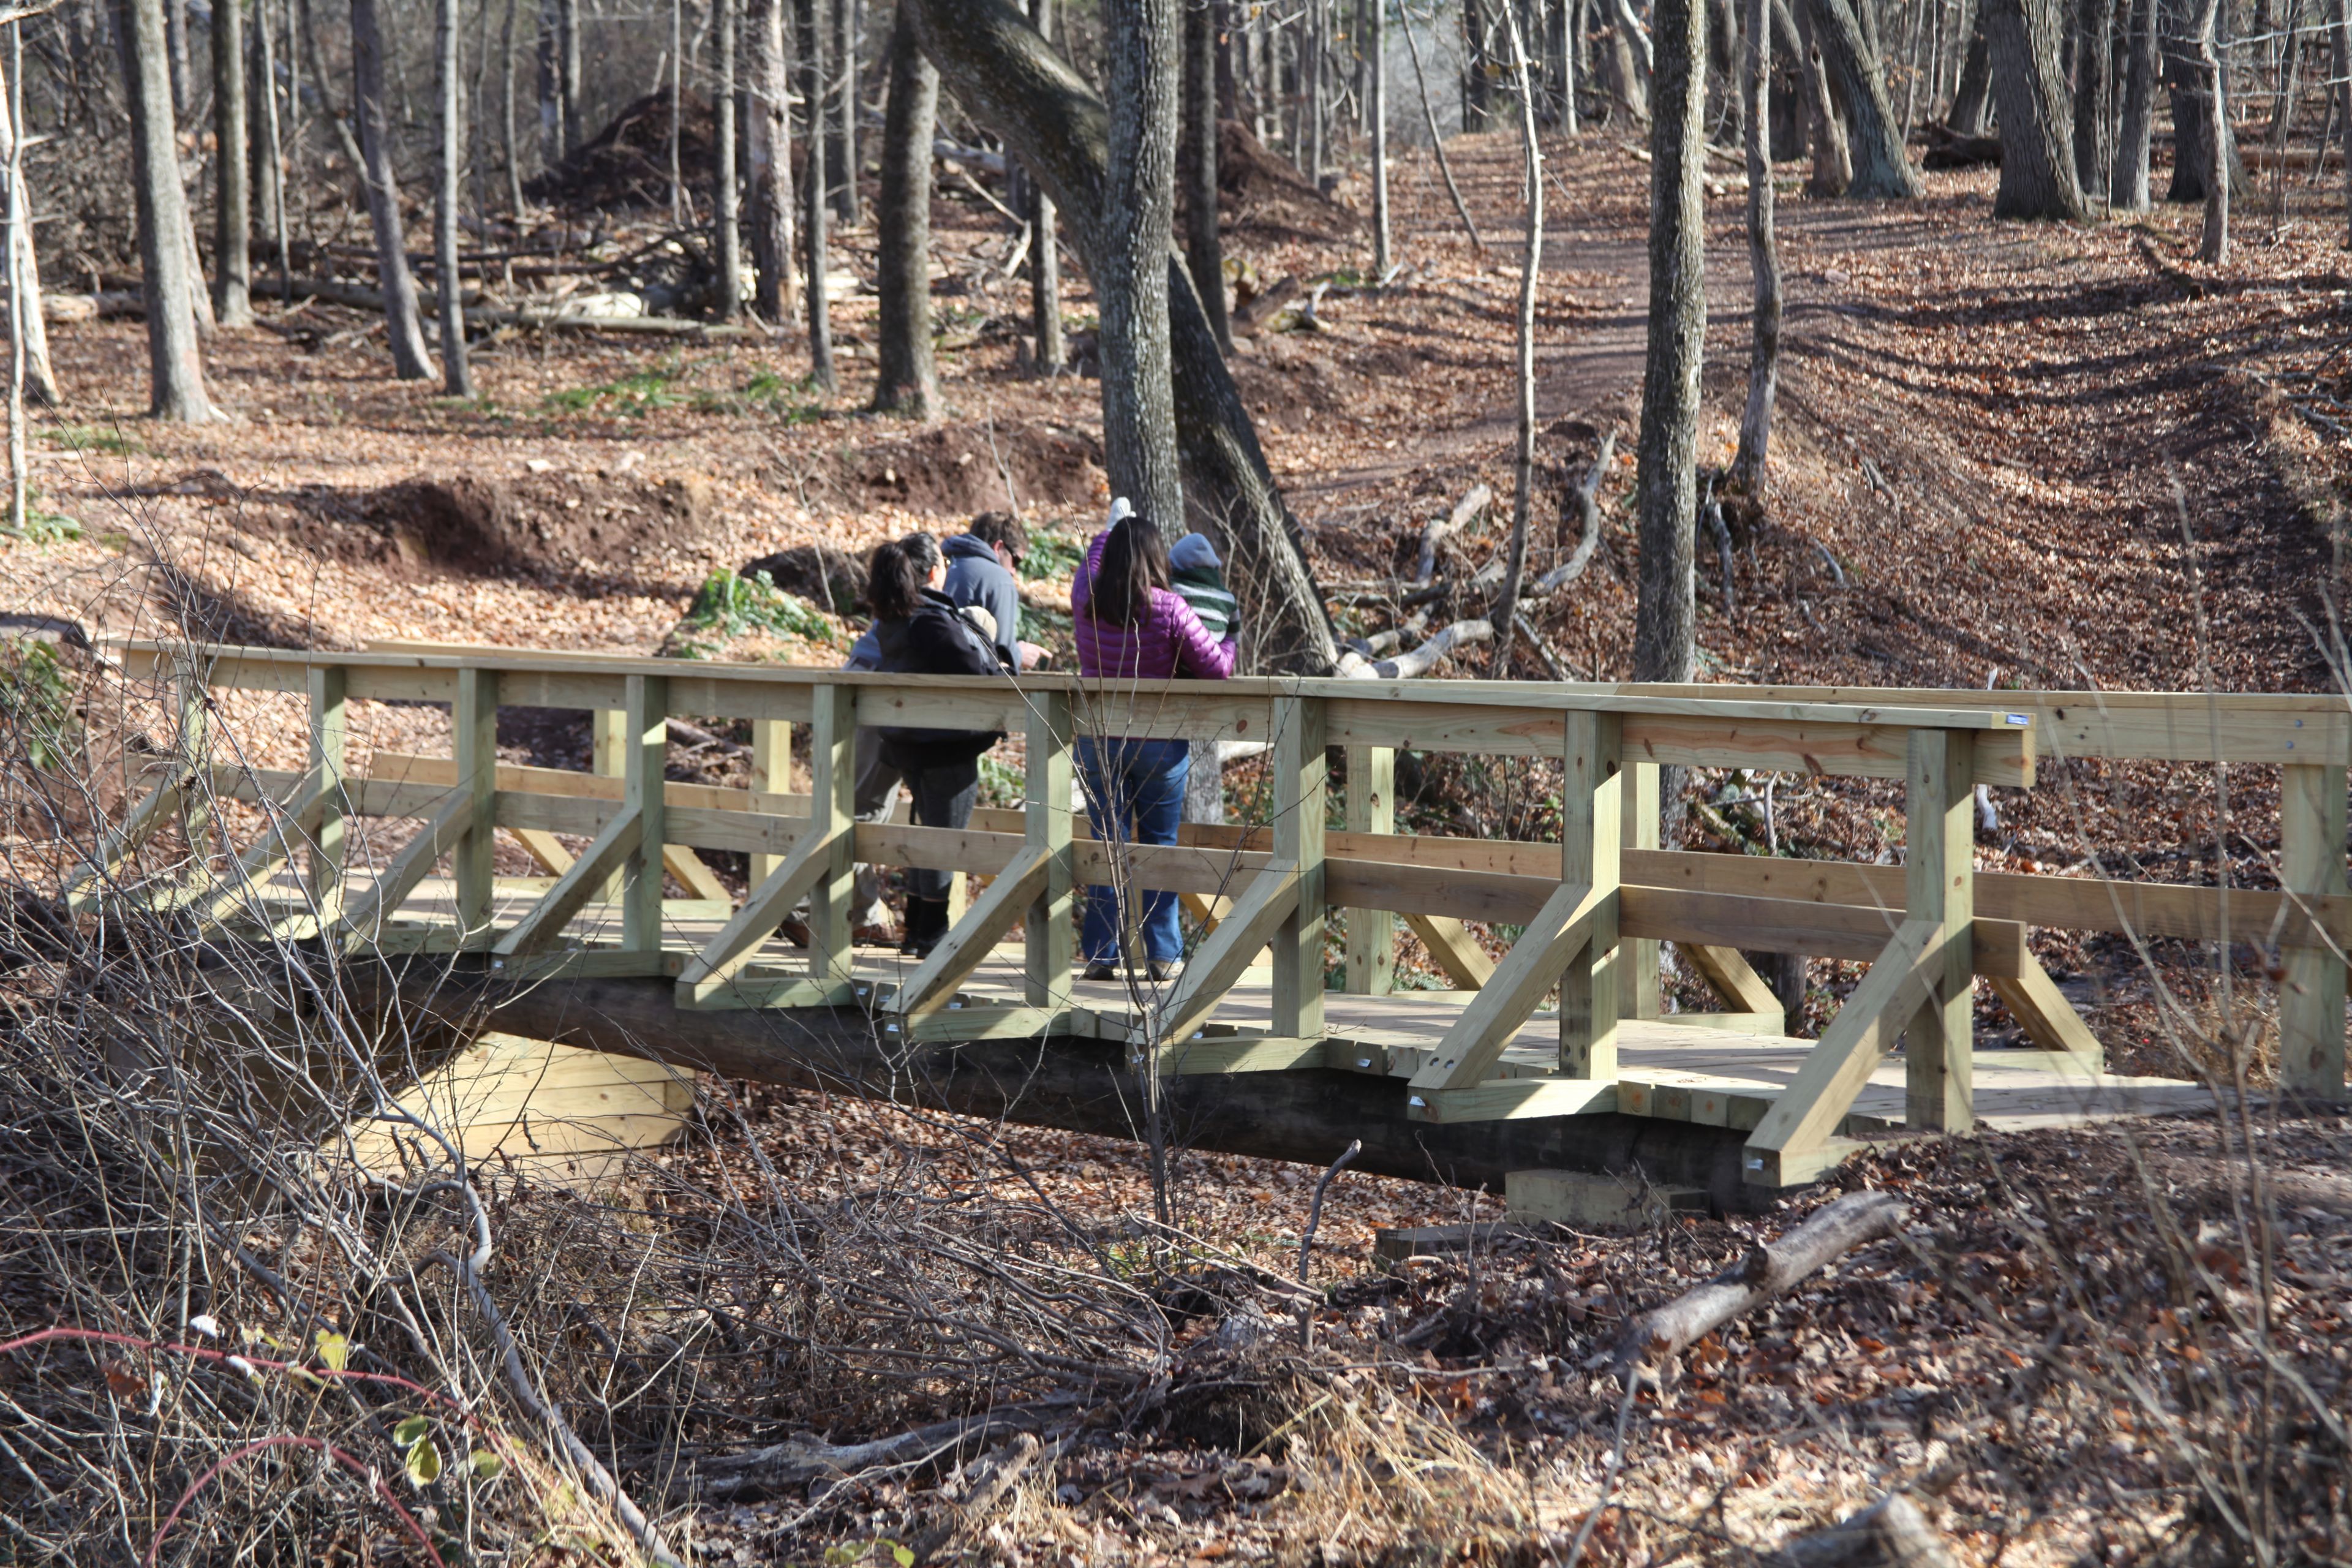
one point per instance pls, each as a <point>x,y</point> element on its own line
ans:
<point>1651,1341</point>
<point>797,1461</point>
<point>1587,497</point>
<point>359,297</point>
<point>1890,1533</point>
<point>985,1482</point>
<point>1410,666</point>
<point>1435,534</point>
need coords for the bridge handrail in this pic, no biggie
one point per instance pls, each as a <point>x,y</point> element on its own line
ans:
<point>1593,906</point>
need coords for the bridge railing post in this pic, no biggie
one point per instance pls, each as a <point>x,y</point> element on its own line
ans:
<point>1940,886</point>
<point>1637,959</point>
<point>2311,996</point>
<point>1300,778</point>
<point>1590,851</point>
<point>771,773</point>
<point>329,747</point>
<point>609,758</point>
<point>832,787</point>
<point>474,715</point>
<point>1371,967</point>
<point>1048,943</point>
<point>646,738</point>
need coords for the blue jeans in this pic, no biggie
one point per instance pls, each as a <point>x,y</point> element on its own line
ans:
<point>1135,795</point>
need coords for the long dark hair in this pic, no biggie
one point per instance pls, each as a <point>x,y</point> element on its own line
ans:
<point>894,581</point>
<point>1134,562</point>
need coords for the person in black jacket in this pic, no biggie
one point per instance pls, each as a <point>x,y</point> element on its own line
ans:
<point>921,632</point>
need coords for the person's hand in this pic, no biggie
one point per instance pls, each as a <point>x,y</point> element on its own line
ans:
<point>1031,654</point>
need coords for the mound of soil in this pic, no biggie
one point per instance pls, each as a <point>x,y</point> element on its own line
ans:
<point>546,525</point>
<point>1286,385</point>
<point>1261,189</point>
<point>961,470</point>
<point>626,164</point>
<point>828,578</point>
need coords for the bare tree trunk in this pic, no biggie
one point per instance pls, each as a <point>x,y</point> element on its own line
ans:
<point>1474,86</point>
<point>813,213</point>
<point>183,76</point>
<point>1667,614</point>
<point>1196,166</point>
<point>1747,465</point>
<point>2343,26</point>
<point>2094,97</point>
<point>1437,138</point>
<point>34,375</point>
<point>507,111</point>
<point>456,375</point>
<point>175,372</point>
<point>2037,168</point>
<point>725,199</point>
<point>1880,168</point>
<point>677,112</point>
<point>1504,614</point>
<point>267,169</point>
<point>2213,245</point>
<point>567,21</point>
<point>410,359</point>
<point>2193,117</point>
<point>1571,51</point>
<point>551,83</point>
<point>231,170</point>
<point>2127,191</point>
<point>1825,138</point>
<point>907,382</point>
<point>841,124</point>
<point>772,165</point>
<point>1972,99</point>
<point>1045,248</point>
<point>1008,79</point>
<point>1378,78</point>
<point>1310,43</point>
<point>24,304</point>
<point>1139,191</point>
<point>2289,78</point>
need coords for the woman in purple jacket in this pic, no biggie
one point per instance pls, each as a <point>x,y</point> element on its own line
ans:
<point>1131,626</point>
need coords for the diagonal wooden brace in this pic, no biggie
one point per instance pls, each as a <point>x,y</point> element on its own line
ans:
<point>287,830</point>
<point>146,819</point>
<point>762,913</point>
<point>1475,1041</point>
<point>1214,970</point>
<point>975,936</point>
<point>391,888</point>
<point>1805,1115</point>
<point>582,880</point>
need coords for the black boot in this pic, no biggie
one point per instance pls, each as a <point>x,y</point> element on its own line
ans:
<point>926,922</point>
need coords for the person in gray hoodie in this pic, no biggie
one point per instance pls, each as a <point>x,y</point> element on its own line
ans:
<point>983,564</point>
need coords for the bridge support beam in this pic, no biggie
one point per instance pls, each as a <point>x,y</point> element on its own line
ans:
<point>1082,1086</point>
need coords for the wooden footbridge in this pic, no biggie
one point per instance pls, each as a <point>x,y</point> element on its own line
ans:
<point>1555,1054</point>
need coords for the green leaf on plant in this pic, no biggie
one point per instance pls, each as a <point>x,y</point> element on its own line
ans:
<point>424,1464</point>
<point>901,1556</point>
<point>411,1431</point>
<point>487,1466</point>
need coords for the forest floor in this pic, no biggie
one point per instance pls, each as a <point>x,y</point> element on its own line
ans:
<point>2034,455</point>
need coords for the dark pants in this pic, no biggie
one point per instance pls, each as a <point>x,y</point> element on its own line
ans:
<point>944,797</point>
<point>1135,794</point>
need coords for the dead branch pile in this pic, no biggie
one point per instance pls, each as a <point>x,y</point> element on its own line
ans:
<point>1444,577</point>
